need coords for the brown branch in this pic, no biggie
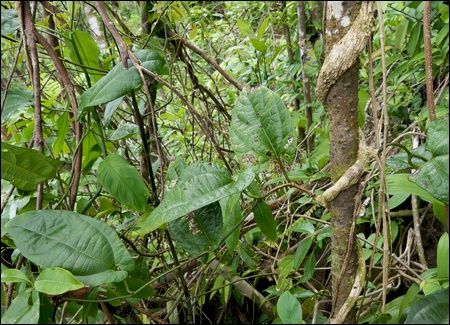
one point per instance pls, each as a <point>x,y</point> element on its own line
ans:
<point>123,51</point>
<point>66,83</point>
<point>193,112</point>
<point>208,59</point>
<point>428,59</point>
<point>33,67</point>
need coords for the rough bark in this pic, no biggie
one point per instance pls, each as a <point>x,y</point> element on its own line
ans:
<point>341,101</point>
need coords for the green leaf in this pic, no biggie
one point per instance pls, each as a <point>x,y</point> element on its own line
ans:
<point>261,123</point>
<point>199,231</point>
<point>262,28</point>
<point>13,276</point>
<point>16,100</point>
<point>310,267</point>
<point>430,309</point>
<point>84,51</point>
<point>63,127</point>
<point>400,183</point>
<point>442,257</point>
<point>120,81</point>
<point>91,151</point>
<point>289,309</point>
<point>56,281</point>
<point>124,131</point>
<point>232,216</point>
<point>199,185</point>
<point>123,181</point>
<point>24,309</point>
<point>110,108</point>
<point>433,175</point>
<point>301,251</point>
<point>265,220</point>
<point>414,39</point>
<point>10,21</point>
<point>259,45</point>
<point>25,168</point>
<point>410,297</point>
<point>87,247</point>
<point>244,28</point>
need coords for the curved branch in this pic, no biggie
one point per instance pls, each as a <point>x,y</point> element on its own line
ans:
<point>345,53</point>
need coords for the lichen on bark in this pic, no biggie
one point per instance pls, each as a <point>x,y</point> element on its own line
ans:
<point>337,88</point>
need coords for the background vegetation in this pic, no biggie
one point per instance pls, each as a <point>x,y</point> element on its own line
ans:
<point>166,162</point>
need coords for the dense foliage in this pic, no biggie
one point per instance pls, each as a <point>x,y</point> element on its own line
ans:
<point>166,162</point>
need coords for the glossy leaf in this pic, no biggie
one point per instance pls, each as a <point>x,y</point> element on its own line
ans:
<point>442,257</point>
<point>123,181</point>
<point>265,220</point>
<point>199,185</point>
<point>289,309</point>
<point>261,123</point>
<point>25,168</point>
<point>430,309</point>
<point>87,247</point>
<point>200,230</point>
<point>24,309</point>
<point>56,281</point>
<point>14,276</point>
<point>120,81</point>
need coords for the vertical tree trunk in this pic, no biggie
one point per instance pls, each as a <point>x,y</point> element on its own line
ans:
<point>341,100</point>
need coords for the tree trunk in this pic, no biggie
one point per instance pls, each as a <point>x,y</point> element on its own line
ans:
<point>342,105</point>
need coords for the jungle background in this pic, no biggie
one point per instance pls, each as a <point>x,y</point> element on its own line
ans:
<point>224,162</point>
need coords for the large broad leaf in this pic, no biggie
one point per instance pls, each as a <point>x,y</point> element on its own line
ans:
<point>430,309</point>
<point>199,185</point>
<point>16,100</point>
<point>265,220</point>
<point>84,51</point>
<point>24,309</point>
<point>120,81</point>
<point>289,309</point>
<point>123,181</point>
<point>199,231</point>
<point>26,168</point>
<point>433,175</point>
<point>261,123</point>
<point>56,281</point>
<point>400,183</point>
<point>87,247</point>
